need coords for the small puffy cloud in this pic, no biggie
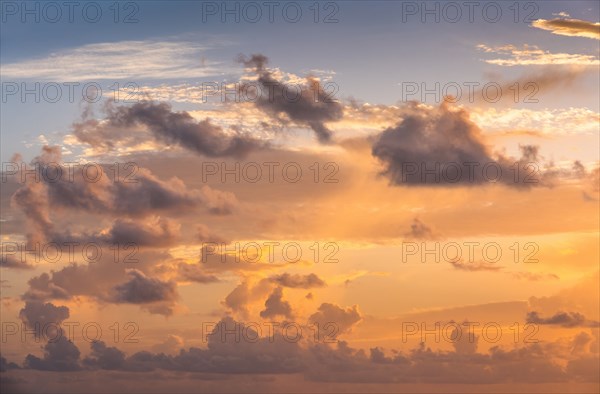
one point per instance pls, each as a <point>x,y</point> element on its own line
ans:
<point>298,281</point>
<point>443,147</point>
<point>565,319</point>
<point>43,318</point>
<point>59,355</point>
<point>165,126</point>
<point>195,273</point>
<point>276,306</point>
<point>141,289</point>
<point>104,357</point>
<point>156,295</point>
<point>311,106</point>
<point>343,319</point>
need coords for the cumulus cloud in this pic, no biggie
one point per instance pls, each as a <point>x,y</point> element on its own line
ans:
<point>165,125</point>
<point>228,351</point>
<point>10,261</point>
<point>343,319</point>
<point>43,318</point>
<point>443,147</point>
<point>107,282</point>
<point>60,355</point>
<point>5,365</point>
<point>145,196</point>
<point>218,202</point>
<point>311,106</point>
<point>156,231</point>
<point>240,298</point>
<point>157,295</point>
<point>104,357</point>
<point>275,306</point>
<point>298,281</point>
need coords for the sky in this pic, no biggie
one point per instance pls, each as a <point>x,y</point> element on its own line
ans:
<point>335,196</point>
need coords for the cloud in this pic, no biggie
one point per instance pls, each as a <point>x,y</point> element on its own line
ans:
<point>533,55</point>
<point>569,27</point>
<point>166,126</point>
<point>142,194</point>
<point>342,319</point>
<point>156,295</point>
<point>205,235</point>
<point>419,230</point>
<point>276,306</point>
<point>443,147</point>
<point>60,355</point>
<point>565,319</point>
<point>171,345</point>
<point>532,276</point>
<point>43,318</point>
<point>227,353</point>
<point>310,107</point>
<point>146,195</point>
<point>148,59</point>
<point>104,357</point>
<point>155,231</point>
<point>5,365</point>
<point>247,292</point>
<point>194,273</point>
<point>10,261</point>
<point>219,202</point>
<point>298,281</point>
<point>473,267</point>
<point>104,281</point>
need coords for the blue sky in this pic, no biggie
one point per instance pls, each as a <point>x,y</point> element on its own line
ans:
<point>370,49</point>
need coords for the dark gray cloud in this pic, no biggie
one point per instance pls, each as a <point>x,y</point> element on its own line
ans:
<point>59,355</point>
<point>43,318</point>
<point>160,232</point>
<point>227,353</point>
<point>142,289</point>
<point>275,306</point>
<point>104,357</point>
<point>564,319</point>
<point>298,281</point>
<point>147,196</point>
<point>107,282</point>
<point>302,107</point>
<point>5,365</point>
<point>443,147</point>
<point>166,125</point>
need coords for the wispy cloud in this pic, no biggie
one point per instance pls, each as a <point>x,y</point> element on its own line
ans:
<point>533,55</point>
<point>569,27</point>
<point>119,60</point>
